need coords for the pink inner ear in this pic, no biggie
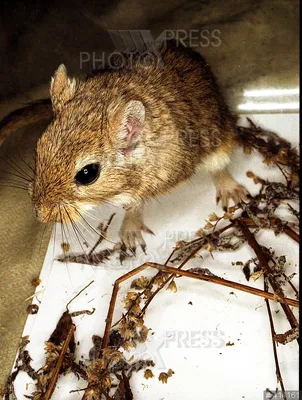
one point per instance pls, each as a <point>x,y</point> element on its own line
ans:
<point>133,127</point>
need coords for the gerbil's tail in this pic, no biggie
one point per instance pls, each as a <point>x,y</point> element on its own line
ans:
<point>34,112</point>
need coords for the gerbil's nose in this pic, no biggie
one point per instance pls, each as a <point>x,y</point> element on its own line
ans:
<point>40,215</point>
<point>44,214</point>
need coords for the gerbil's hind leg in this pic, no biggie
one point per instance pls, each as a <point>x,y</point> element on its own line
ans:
<point>132,227</point>
<point>227,188</point>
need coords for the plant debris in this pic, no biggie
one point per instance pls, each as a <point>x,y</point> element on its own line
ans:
<point>148,374</point>
<point>288,336</point>
<point>164,376</point>
<point>65,247</point>
<point>32,309</point>
<point>36,282</point>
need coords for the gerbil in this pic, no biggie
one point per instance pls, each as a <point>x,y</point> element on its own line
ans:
<point>125,135</point>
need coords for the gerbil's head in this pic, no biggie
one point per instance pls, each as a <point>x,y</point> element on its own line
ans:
<point>90,153</point>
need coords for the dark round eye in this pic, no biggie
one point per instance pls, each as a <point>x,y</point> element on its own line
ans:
<point>88,174</point>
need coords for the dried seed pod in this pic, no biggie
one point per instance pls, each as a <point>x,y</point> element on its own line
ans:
<point>148,374</point>
<point>143,334</point>
<point>32,309</point>
<point>172,286</point>
<point>36,282</point>
<point>140,283</point>
<point>208,225</point>
<point>213,217</point>
<point>65,247</point>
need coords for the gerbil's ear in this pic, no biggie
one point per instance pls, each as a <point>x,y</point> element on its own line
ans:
<point>62,88</point>
<point>132,124</point>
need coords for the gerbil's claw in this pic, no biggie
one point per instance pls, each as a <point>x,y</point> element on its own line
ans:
<point>231,191</point>
<point>133,250</point>
<point>131,235</point>
<point>123,253</point>
<point>147,230</point>
<point>143,247</point>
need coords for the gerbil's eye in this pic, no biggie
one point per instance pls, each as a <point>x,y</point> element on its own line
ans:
<point>88,174</point>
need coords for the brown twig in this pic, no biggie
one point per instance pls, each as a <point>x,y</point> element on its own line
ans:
<point>286,229</point>
<point>54,378</point>
<point>102,235</point>
<point>273,333</point>
<point>77,295</point>
<point>177,271</point>
<point>113,301</point>
<point>225,282</point>
<point>143,291</point>
<point>268,271</point>
<point>172,275</point>
<point>247,221</point>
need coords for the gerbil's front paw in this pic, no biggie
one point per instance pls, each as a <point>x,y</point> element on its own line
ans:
<point>131,233</point>
<point>234,191</point>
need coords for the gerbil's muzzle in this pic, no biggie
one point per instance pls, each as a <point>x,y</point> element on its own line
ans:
<point>45,215</point>
<point>58,213</point>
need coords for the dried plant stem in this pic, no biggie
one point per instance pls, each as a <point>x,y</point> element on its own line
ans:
<point>273,333</point>
<point>268,271</point>
<point>54,378</point>
<point>287,230</point>
<point>113,301</point>
<point>143,291</point>
<point>102,235</point>
<point>179,268</point>
<point>248,221</point>
<point>292,234</point>
<point>77,295</point>
<point>177,271</point>
<point>168,279</point>
<point>77,369</point>
<point>231,284</point>
<point>292,286</point>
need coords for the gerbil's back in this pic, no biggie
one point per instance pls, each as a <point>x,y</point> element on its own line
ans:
<point>177,81</point>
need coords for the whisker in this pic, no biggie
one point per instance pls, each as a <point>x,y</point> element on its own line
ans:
<point>94,230</point>
<point>10,165</point>
<point>65,240</point>
<point>71,251</point>
<point>41,241</point>
<point>75,231</point>
<point>54,239</point>
<point>78,230</point>
<point>90,216</point>
<point>44,230</point>
<point>26,163</point>
<point>93,218</point>
<point>86,230</point>
<point>15,182</point>
<point>14,187</point>
<point>19,169</point>
<point>17,175</point>
<point>75,228</point>
<point>62,234</point>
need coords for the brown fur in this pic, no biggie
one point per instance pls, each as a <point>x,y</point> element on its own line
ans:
<point>186,120</point>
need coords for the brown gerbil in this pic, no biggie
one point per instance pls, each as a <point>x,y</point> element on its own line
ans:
<point>128,134</point>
